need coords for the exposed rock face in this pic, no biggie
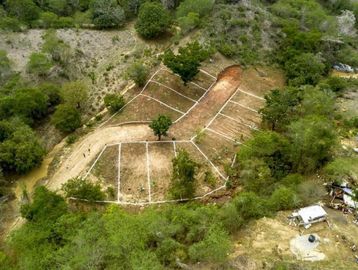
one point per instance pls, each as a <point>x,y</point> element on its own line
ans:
<point>346,23</point>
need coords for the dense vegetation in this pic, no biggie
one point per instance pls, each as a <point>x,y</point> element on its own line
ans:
<point>299,136</point>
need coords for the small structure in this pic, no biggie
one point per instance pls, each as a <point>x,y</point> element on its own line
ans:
<point>345,193</point>
<point>309,215</point>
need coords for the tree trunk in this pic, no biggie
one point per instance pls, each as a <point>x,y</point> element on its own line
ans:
<point>159,137</point>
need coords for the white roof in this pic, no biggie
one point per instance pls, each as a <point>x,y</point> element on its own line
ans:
<point>311,212</point>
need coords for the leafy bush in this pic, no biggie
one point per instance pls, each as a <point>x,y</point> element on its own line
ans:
<point>39,64</point>
<point>215,246</point>
<point>153,20</point>
<point>187,62</point>
<point>138,73</point>
<point>24,10</point>
<point>47,206</point>
<point>313,139</point>
<point>20,149</point>
<point>66,118</point>
<point>200,7</point>
<point>305,68</point>
<point>114,102</point>
<point>183,183</point>
<point>107,14</point>
<point>283,198</point>
<point>82,189</point>
<point>75,94</point>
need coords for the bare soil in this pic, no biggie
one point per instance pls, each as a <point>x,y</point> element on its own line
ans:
<point>168,97</point>
<point>133,180</point>
<point>142,109</point>
<point>106,169</point>
<point>268,240</point>
<point>225,86</point>
<point>242,114</point>
<point>160,157</point>
<point>249,101</point>
<point>169,79</point>
<point>204,167</point>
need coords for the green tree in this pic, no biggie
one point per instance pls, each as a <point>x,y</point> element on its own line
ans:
<point>312,140</point>
<point>200,7</point>
<point>187,62</point>
<point>52,91</point>
<point>5,67</point>
<point>114,102</point>
<point>138,73</point>
<point>82,189</point>
<point>75,94</point>
<point>160,126</point>
<point>24,10</point>
<point>183,183</point>
<point>30,104</point>
<point>66,118</point>
<point>283,198</point>
<point>46,206</point>
<point>214,248</point>
<point>153,20</point>
<point>21,151</point>
<point>107,14</point>
<point>305,68</point>
<point>39,64</point>
<point>280,108</point>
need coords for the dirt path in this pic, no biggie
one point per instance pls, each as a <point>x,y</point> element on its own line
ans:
<point>85,152</point>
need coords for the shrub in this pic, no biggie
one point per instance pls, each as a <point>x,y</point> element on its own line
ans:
<point>283,198</point>
<point>183,183</point>
<point>187,62</point>
<point>10,24</point>
<point>107,14</point>
<point>200,7</point>
<point>138,73</point>
<point>39,64</point>
<point>305,68</point>
<point>189,22</point>
<point>114,102</point>
<point>66,118</point>
<point>75,94</point>
<point>214,248</point>
<point>46,206</point>
<point>153,20</point>
<point>24,10</point>
<point>82,189</point>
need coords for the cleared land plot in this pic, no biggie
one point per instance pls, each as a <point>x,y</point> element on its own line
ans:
<point>106,168</point>
<point>142,109</point>
<point>160,167</point>
<point>260,80</point>
<point>168,96</point>
<point>190,90</point>
<point>134,184</point>
<point>240,113</point>
<point>204,80</point>
<point>231,128</point>
<point>207,178</point>
<point>218,149</point>
<point>248,101</point>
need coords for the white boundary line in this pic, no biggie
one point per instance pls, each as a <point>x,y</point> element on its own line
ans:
<point>94,163</point>
<point>237,121</point>
<point>148,172</point>
<point>171,89</point>
<point>222,135</point>
<point>119,172</point>
<point>212,164</point>
<point>130,101</point>
<point>253,95</point>
<point>207,73</point>
<point>175,148</point>
<point>164,104</point>
<point>192,107</point>
<point>165,69</point>
<point>248,108</point>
